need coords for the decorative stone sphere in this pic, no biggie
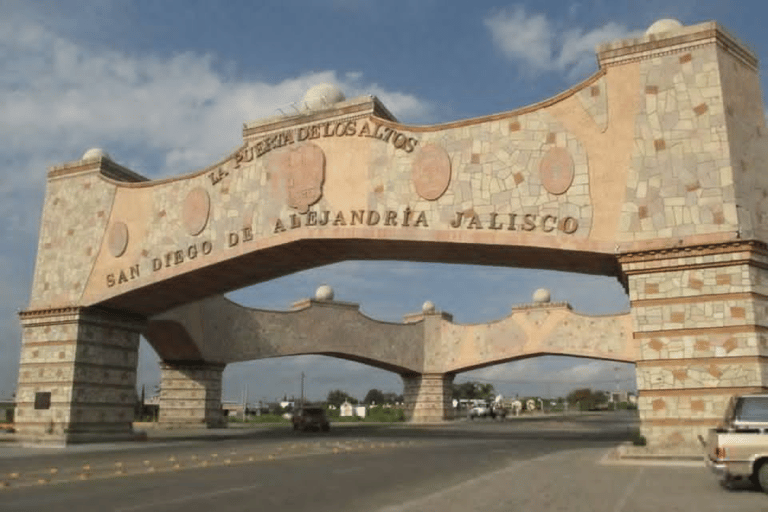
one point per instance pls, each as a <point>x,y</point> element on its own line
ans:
<point>428,307</point>
<point>322,96</point>
<point>663,25</point>
<point>94,153</point>
<point>541,296</point>
<point>324,292</point>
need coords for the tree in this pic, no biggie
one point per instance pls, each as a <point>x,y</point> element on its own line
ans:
<point>392,398</point>
<point>338,397</point>
<point>586,398</point>
<point>374,396</point>
<point>472,390</point>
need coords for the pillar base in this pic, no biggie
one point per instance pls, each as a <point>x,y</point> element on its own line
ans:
<point>190,395</point>
<point>428,397</point>
<point>77,378</point>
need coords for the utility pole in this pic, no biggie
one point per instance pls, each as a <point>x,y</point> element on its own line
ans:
<point>245,402</point>
<point>302,389</point>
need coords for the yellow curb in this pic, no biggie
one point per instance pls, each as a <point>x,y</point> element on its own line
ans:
<point>42,481</point>
<point>13,476</point>
<point>54,471</point>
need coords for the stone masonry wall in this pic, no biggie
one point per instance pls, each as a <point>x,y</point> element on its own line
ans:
<point>700,321</point>
<point>87,361</point>
<point>190,394</point>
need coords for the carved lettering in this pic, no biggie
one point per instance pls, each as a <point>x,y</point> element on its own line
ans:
<point>474,222</point>
<point>357,217</point>
<point>493,222</point>
<point>570,225</point>
<point>339,221</point>
<point>512,217</point>
<point>373,218</point>
<point>406,217</point>
<point>529,222</point>
<point>548,229</point>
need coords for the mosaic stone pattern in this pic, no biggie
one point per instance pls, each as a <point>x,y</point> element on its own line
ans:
<point>700,321</point>
<point>668,194</point>
<point>87,362</point>
<point>427,398</point>
<point>190,394</point>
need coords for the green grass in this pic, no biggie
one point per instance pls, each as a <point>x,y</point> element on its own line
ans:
<point>264,418</point>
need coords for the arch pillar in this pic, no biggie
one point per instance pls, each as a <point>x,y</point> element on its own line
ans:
<point>190,394</point>
<point>77,377</point>
<point>427,397</point>
<point>700,319</point>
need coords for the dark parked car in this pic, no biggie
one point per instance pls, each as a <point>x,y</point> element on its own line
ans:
<point>311,418</point>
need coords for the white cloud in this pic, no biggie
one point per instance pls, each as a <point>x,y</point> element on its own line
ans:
<point>158,115</point>
<point>537,43</point>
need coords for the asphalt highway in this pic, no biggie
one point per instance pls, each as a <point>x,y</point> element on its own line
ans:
<point>546,464</point>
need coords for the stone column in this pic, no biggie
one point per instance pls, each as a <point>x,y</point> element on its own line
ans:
<point>190,394</point>
<point>428,397</point>
<point>701,321</point>
<point>77,377</point>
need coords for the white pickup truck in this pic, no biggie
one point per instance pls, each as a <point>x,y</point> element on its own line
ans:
<point>738,449</point>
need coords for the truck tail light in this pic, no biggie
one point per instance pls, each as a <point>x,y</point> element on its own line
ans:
<point>720,453</point>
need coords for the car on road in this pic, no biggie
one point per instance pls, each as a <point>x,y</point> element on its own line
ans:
<point>311,418</point>
<point>479,411</point>
<point>738,448</point>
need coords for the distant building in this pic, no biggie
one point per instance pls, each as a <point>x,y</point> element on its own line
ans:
<point>346,409</point>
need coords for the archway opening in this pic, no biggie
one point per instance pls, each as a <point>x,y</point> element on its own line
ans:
<point>389,290</point>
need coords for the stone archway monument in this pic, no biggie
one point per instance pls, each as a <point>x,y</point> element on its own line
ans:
<point>651,171</point>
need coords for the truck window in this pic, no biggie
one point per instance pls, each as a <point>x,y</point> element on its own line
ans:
<point>752,409</point>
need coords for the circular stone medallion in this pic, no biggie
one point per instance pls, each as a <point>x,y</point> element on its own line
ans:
<point>117,241</point>
<point>431,172</point>
<point>556,171</point>
<point>197,207</point>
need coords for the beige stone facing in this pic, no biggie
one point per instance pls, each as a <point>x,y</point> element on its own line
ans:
<point>699,321</point>
<point>667,149</point>
<point>87,361</point>
<point>190,394</point>
<point>428,397</point>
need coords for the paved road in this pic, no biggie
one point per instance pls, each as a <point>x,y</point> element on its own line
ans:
<point>487,466</point>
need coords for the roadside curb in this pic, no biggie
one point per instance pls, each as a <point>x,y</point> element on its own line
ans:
<point>618,456</point>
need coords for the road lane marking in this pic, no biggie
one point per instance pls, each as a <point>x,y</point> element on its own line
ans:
<point>346,470</point>
<point>189,498</point>
<point>630,489</point>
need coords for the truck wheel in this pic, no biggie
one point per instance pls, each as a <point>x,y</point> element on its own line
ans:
<point>762,476</point>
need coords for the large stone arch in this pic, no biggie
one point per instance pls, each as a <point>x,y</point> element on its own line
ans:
<point>650,171</point>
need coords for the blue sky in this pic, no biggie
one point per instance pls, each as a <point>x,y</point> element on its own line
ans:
<point>165,86</point>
